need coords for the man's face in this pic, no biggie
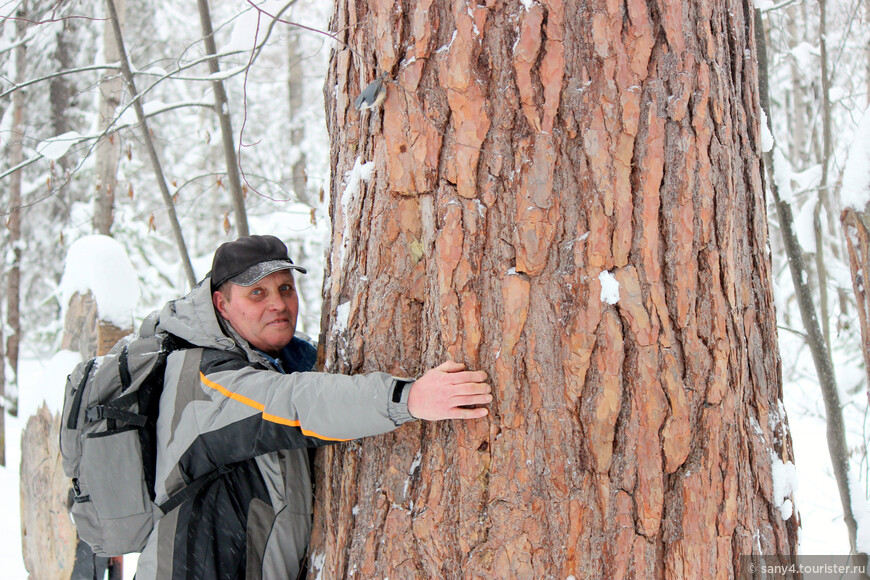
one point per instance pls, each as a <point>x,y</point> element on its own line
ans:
<point>263,314</point>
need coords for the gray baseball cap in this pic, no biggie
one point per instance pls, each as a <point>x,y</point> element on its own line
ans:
<point>249,259</point>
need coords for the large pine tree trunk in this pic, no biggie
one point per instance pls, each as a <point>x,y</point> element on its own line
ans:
<point>524,159</point>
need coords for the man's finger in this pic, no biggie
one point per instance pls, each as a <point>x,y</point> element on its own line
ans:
<point>470,389</point>
<point>467,377</point>
<point>477,413</point>
<point>450,367</point>
<point>469,400</point>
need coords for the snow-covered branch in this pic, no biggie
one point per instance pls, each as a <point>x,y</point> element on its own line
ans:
<point>56,147</point>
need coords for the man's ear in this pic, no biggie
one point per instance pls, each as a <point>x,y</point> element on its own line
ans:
<point>219,301</point>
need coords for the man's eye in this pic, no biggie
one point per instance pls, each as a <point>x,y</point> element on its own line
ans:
<point>256,292</point>
<point>287,288</point>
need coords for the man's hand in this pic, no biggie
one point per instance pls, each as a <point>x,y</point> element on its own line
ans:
<point>445,391</point>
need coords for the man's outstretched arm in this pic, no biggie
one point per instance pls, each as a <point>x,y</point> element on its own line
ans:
<point>449,392</point>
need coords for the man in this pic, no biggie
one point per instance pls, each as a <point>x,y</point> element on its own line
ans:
<point>239,403</point>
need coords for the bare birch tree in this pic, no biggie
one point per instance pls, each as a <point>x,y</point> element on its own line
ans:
<point>108,150</point>
<point>223,112</point>
<point>816,337</point>
<point>13,223</point>
<point>295,91</point>
<point>168,201</point>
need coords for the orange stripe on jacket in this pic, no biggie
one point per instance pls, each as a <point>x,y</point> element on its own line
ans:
<point>262,408</point>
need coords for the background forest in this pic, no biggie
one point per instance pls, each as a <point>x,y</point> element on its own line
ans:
<point>62,99</point>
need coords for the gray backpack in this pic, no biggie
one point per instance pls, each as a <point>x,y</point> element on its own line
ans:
<point>108,443</point>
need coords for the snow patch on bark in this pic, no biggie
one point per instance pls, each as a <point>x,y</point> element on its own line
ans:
<point>785,482</point>
<point>415,465</point>
<point>317,562</point>
<point>342,314</point>
<point>360,172</point>
<point>766,136</point>
<point>609,287</point>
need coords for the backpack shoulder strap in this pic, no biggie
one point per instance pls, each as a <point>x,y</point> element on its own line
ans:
<point>75,407</point>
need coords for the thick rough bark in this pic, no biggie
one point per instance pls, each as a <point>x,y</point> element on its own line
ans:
<point>84,333</point>
<point>48,536</point>
<point>521,157</point>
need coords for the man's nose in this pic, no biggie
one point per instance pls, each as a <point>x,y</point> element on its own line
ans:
<point>276,303</point>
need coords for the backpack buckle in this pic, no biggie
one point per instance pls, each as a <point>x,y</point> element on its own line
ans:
<point>95,413</point>
<point>77,495</point>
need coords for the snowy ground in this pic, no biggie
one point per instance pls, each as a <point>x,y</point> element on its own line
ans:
<point>823,530</point>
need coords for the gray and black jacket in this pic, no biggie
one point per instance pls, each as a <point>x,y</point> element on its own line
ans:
<point>226,407</point>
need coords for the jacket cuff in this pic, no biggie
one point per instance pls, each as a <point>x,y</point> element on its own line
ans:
<point>398,405</point>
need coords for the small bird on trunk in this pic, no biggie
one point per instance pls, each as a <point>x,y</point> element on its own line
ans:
<point>373,95</point>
